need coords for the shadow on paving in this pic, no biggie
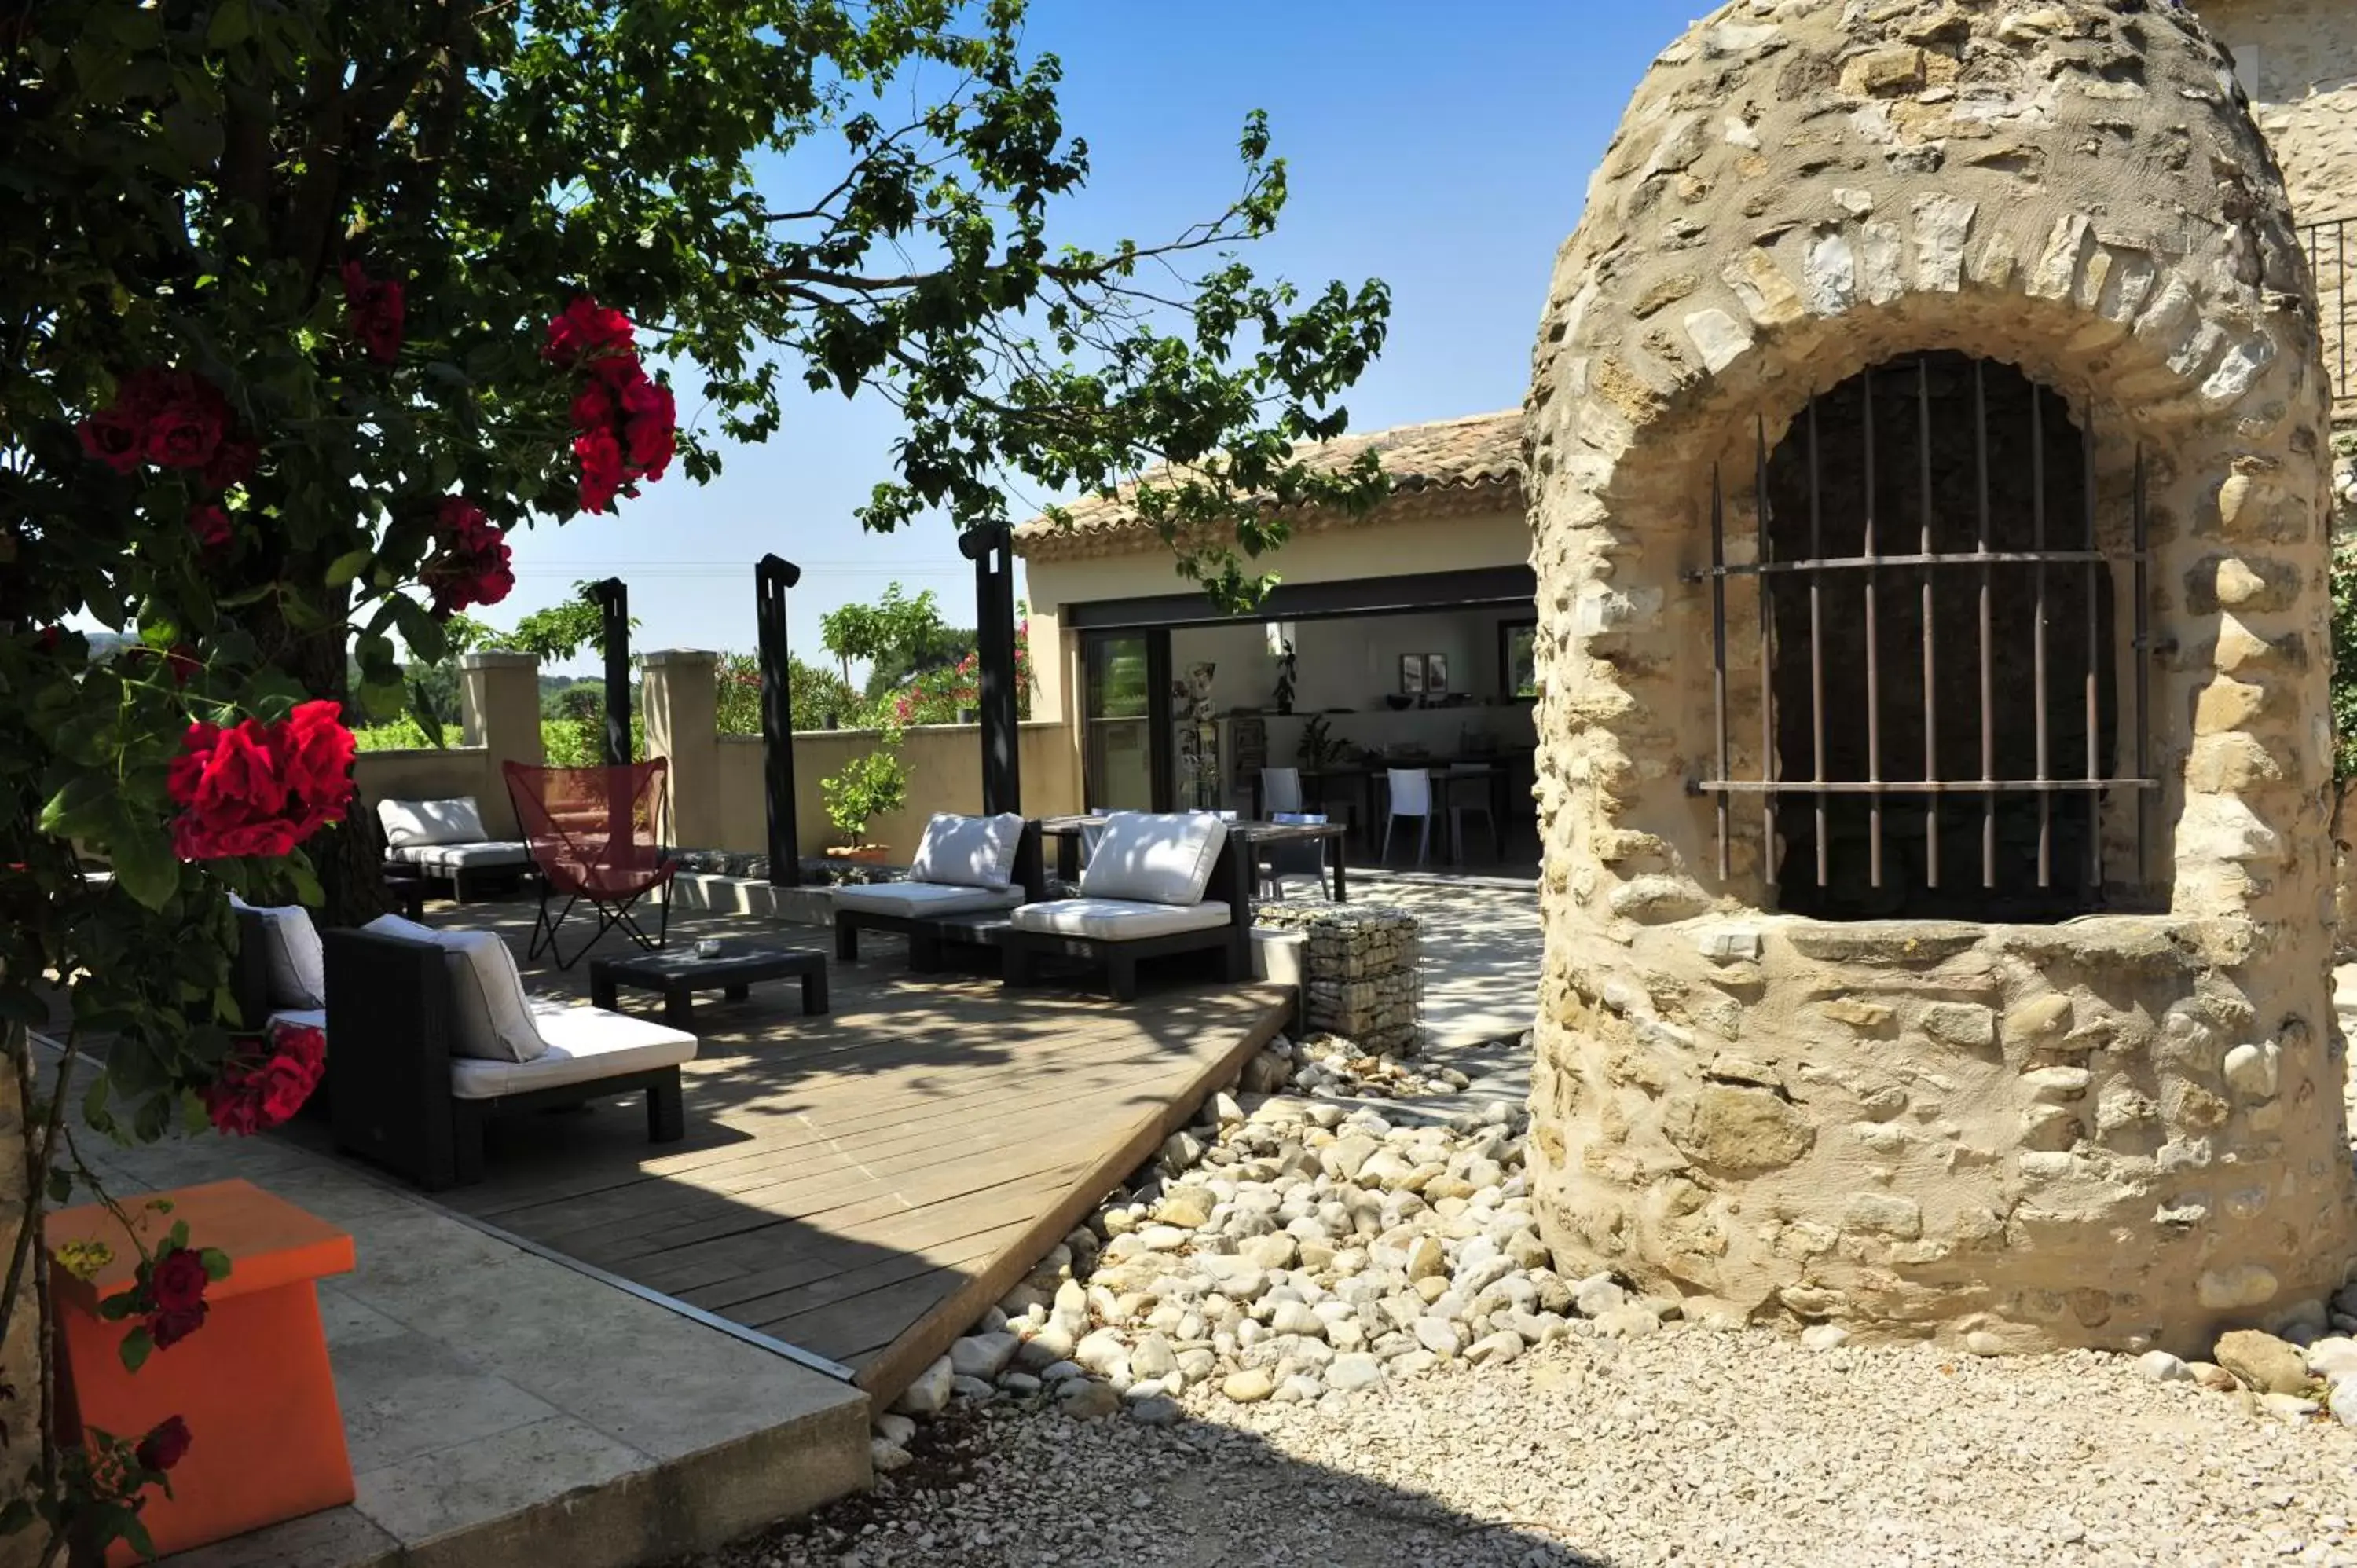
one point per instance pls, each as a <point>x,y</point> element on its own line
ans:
<point>1110,1494</point>
<point>844,1177</point>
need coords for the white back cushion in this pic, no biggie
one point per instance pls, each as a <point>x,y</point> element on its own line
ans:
<point>494,1022</point>
<point>967,852</point>
<point>1151,857</point>
<point>408,823</point>
<point>291,952</point>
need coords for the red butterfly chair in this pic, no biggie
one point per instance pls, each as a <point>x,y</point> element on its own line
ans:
<point>593,838</point>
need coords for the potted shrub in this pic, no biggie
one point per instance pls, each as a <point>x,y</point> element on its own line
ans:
<point>865,788</point>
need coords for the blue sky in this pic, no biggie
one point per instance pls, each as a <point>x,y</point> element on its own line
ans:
<point>1445,148</point>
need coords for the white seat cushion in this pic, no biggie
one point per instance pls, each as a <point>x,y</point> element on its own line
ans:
<point>462,856</point>
<point>584,1044</point>
<point>299,1018</point>
<point>924,900</point>
<point>291,953</point>
<point>408,823</point>
<point>492,1021</point>
<point>967,852</point>
<point>1116,919</point>
<point>1148,857</point>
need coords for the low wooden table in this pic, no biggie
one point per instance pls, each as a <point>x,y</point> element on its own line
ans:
<point>679,974</point>
<point>252,1383</point>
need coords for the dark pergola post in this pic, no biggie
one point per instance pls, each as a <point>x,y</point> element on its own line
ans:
<point>771,577</point>
<point>991,548</point>
<point>613,597</point>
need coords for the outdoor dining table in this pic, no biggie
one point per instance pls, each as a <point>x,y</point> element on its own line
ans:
<point>1364,783</point>
<point>1066,832</point>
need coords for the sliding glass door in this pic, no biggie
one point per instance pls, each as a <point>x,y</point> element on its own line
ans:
<point>1127,687</point>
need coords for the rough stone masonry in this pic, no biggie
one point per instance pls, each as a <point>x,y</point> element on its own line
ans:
<point>2122,1131</point>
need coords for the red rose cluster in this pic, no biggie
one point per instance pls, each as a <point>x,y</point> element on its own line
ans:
<point>472,563</point>
<point>166,1444</point>
<point>174,419</point>
<point>174,1294</point>
<point>627,424</point>
<point>259,1089</point>
<point>374,312</point>
<point>257,788</point>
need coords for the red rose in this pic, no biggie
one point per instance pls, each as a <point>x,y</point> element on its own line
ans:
<point>253,1094</point>
<point>211,524</point>
<point>116,438</point>
<point>168,1328</point>
<point>593,407</point>
<point>50,638</point>
<point>314,752</point>
<point>473,566</point>
<point>232,461</point>
<point>178,1281</point>
<point>374,310</point>
<point>601,469</point>
<point>585,331</point>
<point>258,790</point>
<point>166,1444</point>
<point>651,428</point>
<point>188,422</point>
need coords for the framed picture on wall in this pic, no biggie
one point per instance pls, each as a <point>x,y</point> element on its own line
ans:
<point>1436,675</point>
<point>1412,674</point>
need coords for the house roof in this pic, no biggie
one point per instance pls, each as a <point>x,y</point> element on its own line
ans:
<point>1473,460</point>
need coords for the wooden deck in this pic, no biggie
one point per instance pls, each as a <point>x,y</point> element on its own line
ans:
<point>863,1185</point>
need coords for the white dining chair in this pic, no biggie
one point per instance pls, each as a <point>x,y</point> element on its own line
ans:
<point>1280,790</point>
<point>1411,795</point>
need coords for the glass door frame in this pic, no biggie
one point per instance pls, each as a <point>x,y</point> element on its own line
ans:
<point>1158,715</point>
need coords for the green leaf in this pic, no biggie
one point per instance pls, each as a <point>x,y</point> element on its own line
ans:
<point>116,1307</point>
<point>217,1263</point>
<point>233,24</point>
<point>79,810</point>
<point>143,861</point>
<point>178,1237</point>
<point>307,891</point>
<point>94,1101</point>
<point>60,1186</point>
<point>16,1516</point>
<point>348,565</point>
<point>135,1530</point>
<point>137,1346</point>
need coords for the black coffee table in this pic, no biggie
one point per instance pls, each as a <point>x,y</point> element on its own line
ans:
<point>679,974</point>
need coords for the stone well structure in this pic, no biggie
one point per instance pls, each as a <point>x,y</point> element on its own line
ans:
<point>2045,1056</point>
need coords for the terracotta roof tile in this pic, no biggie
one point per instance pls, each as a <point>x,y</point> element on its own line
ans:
<point>1477,453</point>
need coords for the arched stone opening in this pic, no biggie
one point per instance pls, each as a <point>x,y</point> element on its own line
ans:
<point>2018,1129</point>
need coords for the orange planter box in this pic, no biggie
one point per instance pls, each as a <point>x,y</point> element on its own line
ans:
<point>266,1439</point>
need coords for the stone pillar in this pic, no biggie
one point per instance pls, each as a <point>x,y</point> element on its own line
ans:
<point>683,725</point>
<point>498,709</point>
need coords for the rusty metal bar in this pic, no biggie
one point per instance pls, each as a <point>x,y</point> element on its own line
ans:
<point>1865,563</point>
<point>1930,658</point>
<point>2093,634</point>
<point>1933,787</point>
<point>2140,645</point>
<point>2038,627</point>
<point>1989,672</point>
<point>1818,650</point>
<point>1873,666</point>
<point>1768,767</point>
<point>1718,648</point>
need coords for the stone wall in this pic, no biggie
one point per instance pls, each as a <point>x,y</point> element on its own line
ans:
<point>1360,975</point>
<point>2122,1130</point>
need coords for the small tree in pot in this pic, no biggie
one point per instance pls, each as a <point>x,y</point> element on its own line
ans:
<point>865,788</point>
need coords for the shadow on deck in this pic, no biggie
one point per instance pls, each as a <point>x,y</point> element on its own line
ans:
<point>863,1185</point>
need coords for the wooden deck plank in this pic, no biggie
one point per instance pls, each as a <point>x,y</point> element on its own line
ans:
<point>865,1183</point>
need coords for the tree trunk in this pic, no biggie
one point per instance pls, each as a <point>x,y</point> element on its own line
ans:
<point>349,856</point>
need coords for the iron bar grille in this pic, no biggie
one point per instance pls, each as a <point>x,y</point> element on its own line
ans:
<point>1980,592</point>
<point>2328,247</point>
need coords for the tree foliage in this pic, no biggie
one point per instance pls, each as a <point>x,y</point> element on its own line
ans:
<point>276,309</point>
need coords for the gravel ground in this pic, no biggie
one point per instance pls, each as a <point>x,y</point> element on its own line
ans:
<point>1690,1446</point>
